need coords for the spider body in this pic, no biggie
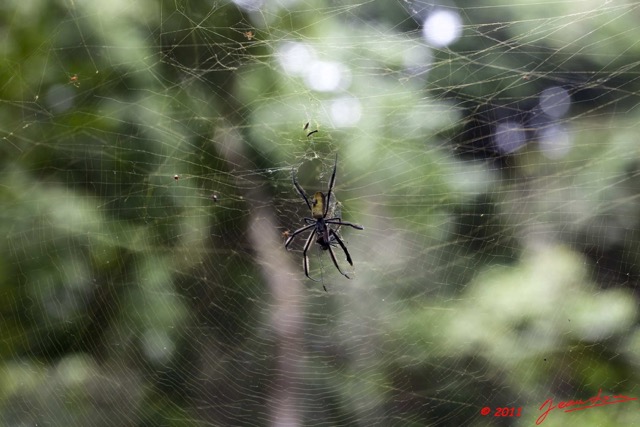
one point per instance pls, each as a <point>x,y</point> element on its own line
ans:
<point>74,80</point>
<point>320,225</point>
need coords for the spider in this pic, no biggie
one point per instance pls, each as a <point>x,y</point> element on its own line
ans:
<point>320,225</point>
<point>74,80</point>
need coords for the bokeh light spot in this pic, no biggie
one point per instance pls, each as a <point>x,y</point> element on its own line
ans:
<point>509,137</point>
<point>295,57</point>
<point>555,101</point>
<point>327,76</point>
<point>346,112</point>
<point>442,27</point>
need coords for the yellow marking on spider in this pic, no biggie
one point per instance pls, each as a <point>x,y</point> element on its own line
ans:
<point>317,205</point>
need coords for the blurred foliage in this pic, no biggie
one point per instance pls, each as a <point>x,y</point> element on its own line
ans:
<point>131,292</point>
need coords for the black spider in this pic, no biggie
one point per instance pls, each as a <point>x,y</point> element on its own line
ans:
<point>319,224</point>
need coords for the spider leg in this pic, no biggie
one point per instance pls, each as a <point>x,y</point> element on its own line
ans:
<point>305,258</point>
<point>335,261</point>
<point>300,190</point>
<point>295,233</point>
<point>339,221</point>
<point>342,245</point>
<point>332,182</point>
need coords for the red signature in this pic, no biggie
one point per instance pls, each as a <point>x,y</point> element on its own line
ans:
<point>592,402</point>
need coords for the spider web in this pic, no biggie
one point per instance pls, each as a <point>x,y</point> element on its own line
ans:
<point>489,150</point>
